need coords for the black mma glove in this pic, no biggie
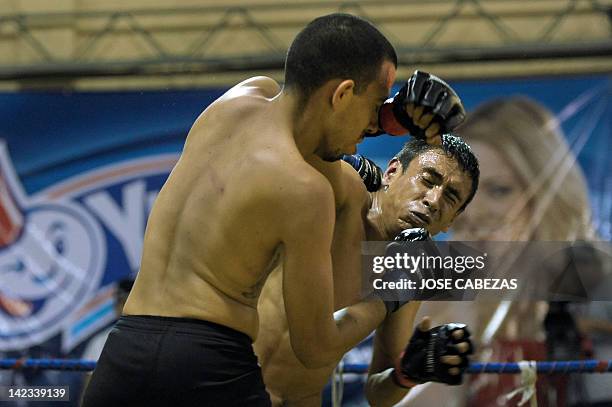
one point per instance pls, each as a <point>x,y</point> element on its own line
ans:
<point>420,362</point>
<point>370,173</point>
<point>395,299</point>
<point>430,92</point>
<point>412,235</point>
<point>406,235</point>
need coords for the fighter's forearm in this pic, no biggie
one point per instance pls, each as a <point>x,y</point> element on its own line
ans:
<point>382,391</point>
<point>350,326</point>
<point>356,322</point>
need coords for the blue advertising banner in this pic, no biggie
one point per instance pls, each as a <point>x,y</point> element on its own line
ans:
<point>79,173</point>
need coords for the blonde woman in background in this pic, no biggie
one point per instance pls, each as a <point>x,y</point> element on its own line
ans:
<point>531,188</point>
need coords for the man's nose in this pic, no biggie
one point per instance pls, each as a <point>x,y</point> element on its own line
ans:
<point>372,127</point>
<point>432,199</point>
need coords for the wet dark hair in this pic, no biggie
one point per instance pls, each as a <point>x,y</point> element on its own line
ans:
<point>336,46</point>
<point>454,146</point>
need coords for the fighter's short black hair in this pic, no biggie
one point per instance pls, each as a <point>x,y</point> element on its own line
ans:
<point>454,146</point>
<point>336,46</point>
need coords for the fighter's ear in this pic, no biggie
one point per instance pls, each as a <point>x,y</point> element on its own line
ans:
<point>394,169</point>
<point>342,94</point>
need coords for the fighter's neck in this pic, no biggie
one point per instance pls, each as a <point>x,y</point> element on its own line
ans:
<point>375,227</point>
<point>304,122</point>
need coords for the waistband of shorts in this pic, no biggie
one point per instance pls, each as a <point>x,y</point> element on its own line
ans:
<point>188,325</point>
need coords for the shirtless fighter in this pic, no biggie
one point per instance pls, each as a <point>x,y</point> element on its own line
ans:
<point>424,186</point>
<point>240,200</point>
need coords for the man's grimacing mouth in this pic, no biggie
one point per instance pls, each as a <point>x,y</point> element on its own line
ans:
<point>416,219</point>
<point>423,217</point>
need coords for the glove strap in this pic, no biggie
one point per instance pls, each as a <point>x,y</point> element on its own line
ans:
<point>391,306</point>
<point>397,376</point>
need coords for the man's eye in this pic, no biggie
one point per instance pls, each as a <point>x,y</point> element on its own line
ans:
<point>451,198</point>
<point>499,191</point>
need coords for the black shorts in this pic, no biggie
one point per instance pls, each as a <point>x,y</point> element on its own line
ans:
<point>161,361</point>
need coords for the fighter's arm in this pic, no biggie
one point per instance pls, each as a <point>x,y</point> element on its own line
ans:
<point>389,342</point>
<point>425,106</point>
<point>438,354</point>
<point>349,233</point>
<point>316,337</point>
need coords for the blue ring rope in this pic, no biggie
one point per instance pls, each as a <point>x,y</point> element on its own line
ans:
<point>544,367</point>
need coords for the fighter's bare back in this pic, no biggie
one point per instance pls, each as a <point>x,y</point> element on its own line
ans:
<point>211,240</point>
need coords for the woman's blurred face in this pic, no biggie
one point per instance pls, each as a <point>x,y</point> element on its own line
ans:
<point>499,190</point>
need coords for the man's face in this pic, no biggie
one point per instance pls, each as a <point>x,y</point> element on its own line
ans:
<point>360,114</point>
<point>429,194</point>
<point>492,214</point>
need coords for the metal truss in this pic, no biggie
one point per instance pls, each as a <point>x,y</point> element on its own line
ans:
<point>210,39</point>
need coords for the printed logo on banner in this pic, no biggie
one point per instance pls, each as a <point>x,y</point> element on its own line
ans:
<point>61,249</point>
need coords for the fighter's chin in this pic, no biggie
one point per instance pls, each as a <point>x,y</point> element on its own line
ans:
<point>403,225</point>
<point>407,224</point>
<point>337,154</point>
<point>332,157</point>
<point>351,150</point>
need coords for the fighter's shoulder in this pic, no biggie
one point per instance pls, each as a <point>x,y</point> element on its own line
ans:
<point>350,176</point>
<point>356,191</point>
<point>261,86</point>
<point>241,101</point>
<point>297,184</point>
<point>304,180</point>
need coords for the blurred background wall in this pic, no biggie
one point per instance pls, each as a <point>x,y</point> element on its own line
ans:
<point>96,99</point>
<point>83,44</point>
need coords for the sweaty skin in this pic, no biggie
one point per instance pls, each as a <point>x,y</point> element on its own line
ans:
<point>242,199</point>
<point>286,379</point>
<point>360,216</point>
<point>203,255</point>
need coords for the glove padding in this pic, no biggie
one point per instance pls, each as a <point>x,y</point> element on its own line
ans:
<point>406,235</point>
<point>420,362</point>
<point>430,92</point>
<point>370,173</point>
<point>413,235</point>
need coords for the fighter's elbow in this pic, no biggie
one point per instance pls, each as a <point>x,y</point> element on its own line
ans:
<point>380,393</point>
<point>373,398</point>
<point>314,349</point>
<point>370,391</point>
<point>375,402</point>
<point>312,357</point>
